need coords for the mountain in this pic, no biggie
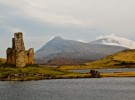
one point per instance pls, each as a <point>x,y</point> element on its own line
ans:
<point>59,51</point>
<point>115,40</point>
<point>122,59</point>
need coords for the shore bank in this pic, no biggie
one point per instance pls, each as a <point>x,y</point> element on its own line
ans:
<point>41,72</point>
<point>37,73</point>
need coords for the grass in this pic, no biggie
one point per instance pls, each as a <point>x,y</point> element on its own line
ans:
<point>35,72</point>
<point>74,67</point>
<point>123,59</point>
<point>118,74</point>
<point>2,60</point>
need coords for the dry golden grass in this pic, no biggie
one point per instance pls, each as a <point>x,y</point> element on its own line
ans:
<point>74,67</point>
<point>121,59</point>
<point>2,60</point>
<point>118,74</point>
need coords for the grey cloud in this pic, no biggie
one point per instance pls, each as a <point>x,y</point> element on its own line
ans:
<point>71,19</point>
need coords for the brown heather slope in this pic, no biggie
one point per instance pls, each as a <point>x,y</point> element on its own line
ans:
<point>62,61</point>
<point>123,59</point>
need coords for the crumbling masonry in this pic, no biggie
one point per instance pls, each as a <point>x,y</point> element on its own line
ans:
<point>17,55</point>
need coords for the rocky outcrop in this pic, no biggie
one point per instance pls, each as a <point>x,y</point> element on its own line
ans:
<point>95,74</point>
<point>17,55</point>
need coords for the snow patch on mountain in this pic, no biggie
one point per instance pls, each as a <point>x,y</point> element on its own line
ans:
<point>115,40</point>
<point>79,40</point>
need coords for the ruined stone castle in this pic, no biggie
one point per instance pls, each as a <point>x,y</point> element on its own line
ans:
<point>17,55</point>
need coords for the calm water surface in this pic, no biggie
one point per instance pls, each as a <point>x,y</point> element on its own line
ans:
<point>70,89</point>
<point>107,70</point>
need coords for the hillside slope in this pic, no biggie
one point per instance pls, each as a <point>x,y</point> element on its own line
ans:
<point>123,59</point>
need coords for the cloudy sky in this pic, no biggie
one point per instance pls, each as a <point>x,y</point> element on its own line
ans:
<point>40,20</point>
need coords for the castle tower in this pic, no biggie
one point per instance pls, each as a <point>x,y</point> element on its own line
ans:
<point>19,49</point>
<point>17,55</point>
<point>18,42</point>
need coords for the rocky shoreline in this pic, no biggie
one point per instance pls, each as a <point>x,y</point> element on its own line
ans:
<point>30,77</point>
<point>31,73</point>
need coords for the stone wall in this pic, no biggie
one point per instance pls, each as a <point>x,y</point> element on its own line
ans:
<point>30,55</point>
<point>17,55</point>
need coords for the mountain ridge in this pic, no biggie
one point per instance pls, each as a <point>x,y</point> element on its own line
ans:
<point>77,52</point>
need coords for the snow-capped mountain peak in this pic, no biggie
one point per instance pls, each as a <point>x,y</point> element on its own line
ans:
<point>115,40</point>
<point>79,40</point>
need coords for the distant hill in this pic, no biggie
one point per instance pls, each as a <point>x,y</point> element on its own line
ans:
<point>59,51</point>
<point>123,59</point>
<point>2,60</point>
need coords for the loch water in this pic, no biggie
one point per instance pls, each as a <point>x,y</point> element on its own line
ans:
<point>70,89</point>
<point>109,70</point>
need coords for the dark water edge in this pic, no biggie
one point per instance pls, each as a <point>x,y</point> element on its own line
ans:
<point>70,89</point>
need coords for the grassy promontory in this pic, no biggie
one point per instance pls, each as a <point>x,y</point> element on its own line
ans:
<point>35,72</point>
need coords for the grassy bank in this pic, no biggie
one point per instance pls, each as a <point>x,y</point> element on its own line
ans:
<point>81,67</point>
<point>37,73</point>
<point>118,74</point>
<point>115,74</point>
<point>97,65</point>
